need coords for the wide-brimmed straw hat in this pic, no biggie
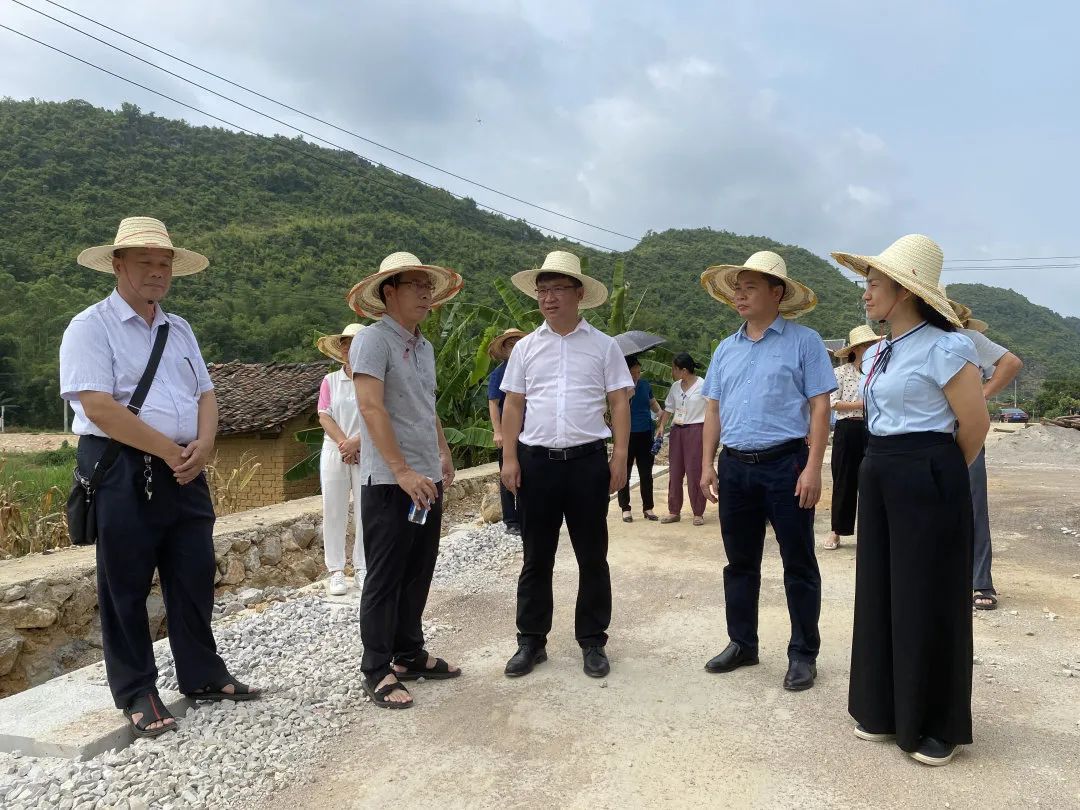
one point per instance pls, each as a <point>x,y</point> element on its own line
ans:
<point>912,261</point>
<point>496,345</point>
<point>963,312</point>
<point>364,300</point>
<point>719,280</point>
<point>565,264</point>
<point>331,345</point>
<point>143,232</point>
<point>861,335</point>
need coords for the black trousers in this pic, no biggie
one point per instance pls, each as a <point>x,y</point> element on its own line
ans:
<point>509,504</point>
<point>172,532</point>
<point>400,563</point>
<point>639,452</point>
<point>750,495</point>
<point>848,448</point>
<point>911,647</point>
<point>551,490</point>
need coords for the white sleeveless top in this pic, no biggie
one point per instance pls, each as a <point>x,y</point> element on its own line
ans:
<point>342,407</point>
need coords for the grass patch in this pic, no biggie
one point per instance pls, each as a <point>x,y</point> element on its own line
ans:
<point>33,490</point>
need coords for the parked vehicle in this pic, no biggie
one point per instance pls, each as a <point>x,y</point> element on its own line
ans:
<point>1012,415</point>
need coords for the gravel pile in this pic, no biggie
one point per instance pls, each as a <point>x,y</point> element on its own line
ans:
<point>1037,444</point>
<point>303,650</point>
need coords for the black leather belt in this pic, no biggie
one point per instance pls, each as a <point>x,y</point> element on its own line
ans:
<point>564,453</point>
<point>768,454</point>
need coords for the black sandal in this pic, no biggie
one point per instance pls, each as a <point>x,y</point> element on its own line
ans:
<point>153,711</point>
<point>379,696</point>
<point>985,596</point>
<point>440,672</point>
<point>214,693</point>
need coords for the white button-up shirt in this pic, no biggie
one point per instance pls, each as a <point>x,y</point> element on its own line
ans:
<point>106,348</point>
<point>566,380</point>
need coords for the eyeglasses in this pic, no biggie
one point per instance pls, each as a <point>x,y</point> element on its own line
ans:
<point>419,286</point>
<point>557,292</point>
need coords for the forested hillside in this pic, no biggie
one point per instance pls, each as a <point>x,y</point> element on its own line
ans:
<point>289,227</point>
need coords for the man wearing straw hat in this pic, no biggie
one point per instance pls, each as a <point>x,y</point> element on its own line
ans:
<point>499,350</point>
<point>767,393</point>
<point>339,462</point>
<point>405,465</point>
<point>999,368</point>
<point>555,457</point>
<point>152,505</point>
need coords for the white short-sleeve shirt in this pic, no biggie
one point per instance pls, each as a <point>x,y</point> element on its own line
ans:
<point>566,380</point>
<point>106,347</point>
<point>686,407</point>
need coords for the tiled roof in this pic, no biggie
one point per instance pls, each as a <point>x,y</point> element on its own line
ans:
<point>261,397</point>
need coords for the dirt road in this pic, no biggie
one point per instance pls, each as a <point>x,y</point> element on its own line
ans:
<point>662,732</point>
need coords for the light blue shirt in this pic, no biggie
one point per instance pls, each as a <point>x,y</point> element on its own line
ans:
<point>106,347</point>
<point>764,386</point>
<point>909,397</point>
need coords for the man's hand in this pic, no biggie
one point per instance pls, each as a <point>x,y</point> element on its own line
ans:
<point>808,488</point>
<point>448,473</point>
<point>709,484</point>
<point>617,468</point>
<point>497,438</point>
<point>418,487</point>
<point>193,460</point>
<point>511,475</point>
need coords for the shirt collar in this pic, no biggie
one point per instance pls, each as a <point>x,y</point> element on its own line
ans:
<point>125,312</point>
<point>582,326</point>
<point>416,338</point>
<point>777,326</point>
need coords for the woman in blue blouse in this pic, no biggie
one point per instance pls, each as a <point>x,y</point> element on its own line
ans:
<point>642,407</point>
<point>911,647</point>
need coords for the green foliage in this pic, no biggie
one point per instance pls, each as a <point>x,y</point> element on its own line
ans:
<point>312,438</point>
<point>1058,398</point>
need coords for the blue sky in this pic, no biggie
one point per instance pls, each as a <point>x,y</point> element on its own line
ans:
<point>834,125</point>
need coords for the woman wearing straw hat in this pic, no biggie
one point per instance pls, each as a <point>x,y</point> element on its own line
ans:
<point>339,469</point>
<point>849,435</point>
<point>405,464</point>
<point>911,646</point>
<point>152,506</point>
<point>767,390</point>
<point>999,368</point>
<point>499,350</point>
<point>555,460</point>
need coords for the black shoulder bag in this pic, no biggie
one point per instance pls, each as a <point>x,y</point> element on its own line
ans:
<point>82,520</point>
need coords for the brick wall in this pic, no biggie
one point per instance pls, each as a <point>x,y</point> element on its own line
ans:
<point>275,455</point>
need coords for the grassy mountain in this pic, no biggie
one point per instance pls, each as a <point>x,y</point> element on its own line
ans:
<point>289,227</point>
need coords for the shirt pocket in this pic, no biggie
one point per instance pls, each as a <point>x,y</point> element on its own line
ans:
<point>185,378</point>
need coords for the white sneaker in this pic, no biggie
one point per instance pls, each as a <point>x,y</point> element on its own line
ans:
<point>358,578</point>
<point>337,586</point>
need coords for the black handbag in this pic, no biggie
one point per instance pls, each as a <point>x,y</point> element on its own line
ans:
<point>82,520</point>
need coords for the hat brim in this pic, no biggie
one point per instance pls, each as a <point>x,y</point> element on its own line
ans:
<point>928,293</point>
<point>330,345</point>
<point>497,343</point>
<point>185,262</point>
<point>719,282</point>
<point>844,350</point>
<point>595,291</point>
<point>976,325</point>
<point>364,300</point>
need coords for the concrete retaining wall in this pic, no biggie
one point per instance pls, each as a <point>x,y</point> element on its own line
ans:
<point>48,602</point>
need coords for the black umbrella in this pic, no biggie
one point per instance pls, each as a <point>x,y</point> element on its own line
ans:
<point>636,341</point>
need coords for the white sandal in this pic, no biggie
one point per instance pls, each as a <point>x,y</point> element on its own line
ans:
<point>832,542</point>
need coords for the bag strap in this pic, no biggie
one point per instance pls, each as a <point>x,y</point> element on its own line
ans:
<point>112,449</point>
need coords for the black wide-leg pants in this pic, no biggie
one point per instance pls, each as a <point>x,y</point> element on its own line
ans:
<point>551,490</point>
<point>912,646</point>
<point>848,449</point>
<point>172,532</point>
<point>401,559</point>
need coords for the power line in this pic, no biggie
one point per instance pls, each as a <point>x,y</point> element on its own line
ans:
<point>1016,259</point>
<point>295,110</point>
<point>369,176</point>
<point>1071,266</point>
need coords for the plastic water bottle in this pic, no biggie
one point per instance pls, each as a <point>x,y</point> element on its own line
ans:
<point>418,514</point>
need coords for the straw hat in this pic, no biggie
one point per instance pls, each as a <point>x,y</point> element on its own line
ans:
<point>963,312</point>
<point>861,335</point>
<point>566,264</point>
<point>719,281</point>
<point>364,300</point>
<point>913,262</point>
<point>330,345</point>
<point>143,232</point>
<point>496,345</point>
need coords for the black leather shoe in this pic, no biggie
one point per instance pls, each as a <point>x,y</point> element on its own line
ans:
<point>524,660</point>
<point>933,751</point>
<point>596,663</point>
<point>731,658</point>
<point>800,675</point>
